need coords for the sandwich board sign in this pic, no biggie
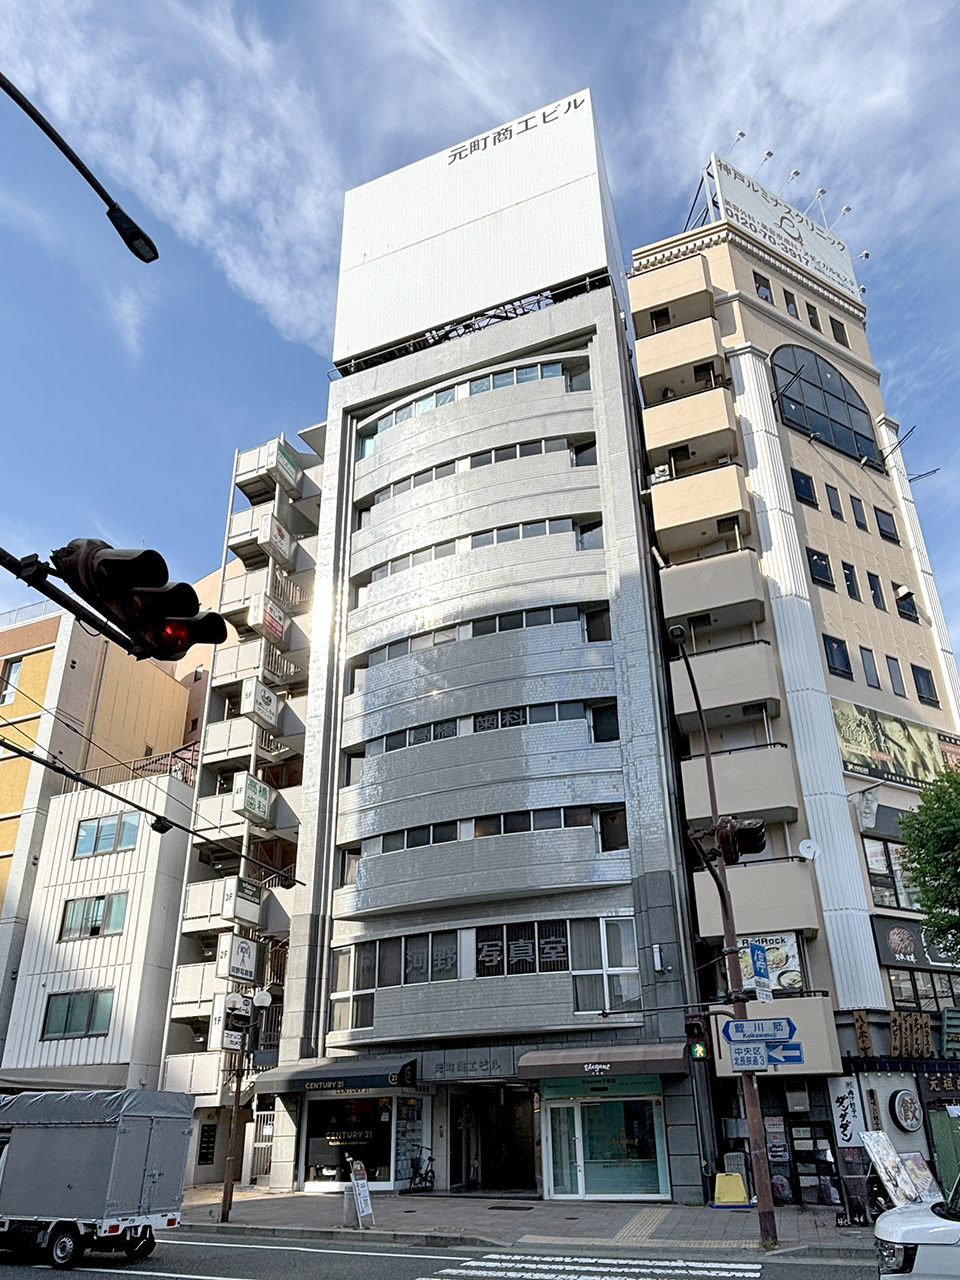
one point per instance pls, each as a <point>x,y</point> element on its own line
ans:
<point>361,1192</point>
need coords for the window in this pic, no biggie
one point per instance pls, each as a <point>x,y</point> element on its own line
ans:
<point>660,319</point>
<point>850,578</point>
<point>93,917</point>
<point>859,515</point>
<point>896,677</point>
<point>833,498</point>
<point>598,624</point>
<point>705,374</point>
<point>822,403</point>
<point>585,455</point>
<point>839,332</point>
<point>590,536</point>
<point>814,318</point>
<point>73,1014</point>
<point>926,689</point>
<point>820,570</point>
<point>838,659</point>
<point>606,723</point>
<point>906,602</point>
<point>876,591</point>
<point>763,287</point>
<point>870,673</point>
<point>603,962</point>
<point>108,834</point>
<point>803,488</point>
<point>613,829</point>
<point>790,302</point>
<point>922,989</point>
<point>887,880</point>
<point>11,678</point>
<point>193,724</point>
<point>886,525</point>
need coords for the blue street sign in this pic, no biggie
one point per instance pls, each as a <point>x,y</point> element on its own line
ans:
<point>758,958</point>
<point>749,1057</point>
<point>765,1029</point>
<point>783,1055</point>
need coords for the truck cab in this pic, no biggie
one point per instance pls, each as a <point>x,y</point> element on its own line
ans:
<point>921,1241</point>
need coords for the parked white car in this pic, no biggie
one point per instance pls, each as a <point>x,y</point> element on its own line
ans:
<point>921,1241</point>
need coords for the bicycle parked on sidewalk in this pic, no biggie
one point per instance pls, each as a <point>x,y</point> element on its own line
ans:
<point>422,1173</point>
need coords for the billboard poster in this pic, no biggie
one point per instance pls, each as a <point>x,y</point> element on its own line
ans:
<point>783,960</point>
<point>745,202</point>
<point>876,745</point>
<point>902,943</point>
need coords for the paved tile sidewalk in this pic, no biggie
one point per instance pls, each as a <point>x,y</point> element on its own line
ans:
<point>542,1224</point>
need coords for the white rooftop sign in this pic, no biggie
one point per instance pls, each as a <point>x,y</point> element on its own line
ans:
<point>498,217</point>
<point>782,227</point>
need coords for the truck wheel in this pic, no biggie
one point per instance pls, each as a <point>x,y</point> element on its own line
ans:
<point>63,1247</point>
<point>140,1246</point>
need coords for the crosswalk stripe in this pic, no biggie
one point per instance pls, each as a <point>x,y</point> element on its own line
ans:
<point>602,1264</point>
<point>525,1268</point>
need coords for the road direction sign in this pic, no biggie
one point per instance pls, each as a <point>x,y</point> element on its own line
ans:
<point>784,1055</point>
<point>753,1029</point>
<point>749,1057</point>
<point>761,972</point>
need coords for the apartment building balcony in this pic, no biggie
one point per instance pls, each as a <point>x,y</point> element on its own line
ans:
<point>816,1031</point>
<point>204,906</point>
<point>231,666</point>
<point>754,781</point>
<point>291,729</point>
<point>680,362</point>
<point>229,741</point>
<point>691,431</point>
<point>194,986</point>
<point>286,814</point>
<point>205,1075</point>
<point>261,470</point>
<point>682,289</point>
<point>717,592</point>
<point>256,535</point>
<point>701,509</point>
<point>216,819</point>
<point>775,896</point>
<point>239,593</point>
<point>737,683</point>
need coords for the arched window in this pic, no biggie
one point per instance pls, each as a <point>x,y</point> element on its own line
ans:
<point>822,402</point>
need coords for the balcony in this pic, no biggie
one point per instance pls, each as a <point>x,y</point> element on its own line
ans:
<point>260,470</point>
<point>768,897</point>
<point>718,592</point>
<point>816,1032</point>
<point>683,288</point>
<point>194,986</point>
<point>216,819</point>
<point>231,741</point>
<point>256,536</point>
<point>700,510</point>
<point>259,658</point>
<point>203,910</point>
<point>692,431</point>
<point>755,782</point>
<point>735,684</point>
<point>239,592</point>
<point>666,361</point>
<point>202,1074</point>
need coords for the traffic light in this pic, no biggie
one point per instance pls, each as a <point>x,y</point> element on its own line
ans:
<point>738,836</point>
<point>132,589</point>
<point>697,1041</point>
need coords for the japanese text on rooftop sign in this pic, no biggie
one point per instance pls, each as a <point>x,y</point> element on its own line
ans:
<point>516,128</point>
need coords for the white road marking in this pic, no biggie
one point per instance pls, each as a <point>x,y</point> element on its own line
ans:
<point>299,1248</point>
<point>544,1267</point>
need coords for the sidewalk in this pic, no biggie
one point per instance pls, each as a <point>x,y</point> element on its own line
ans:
<point>533,1224</point>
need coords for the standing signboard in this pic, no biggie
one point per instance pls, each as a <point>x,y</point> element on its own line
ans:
<point>361,1191</point>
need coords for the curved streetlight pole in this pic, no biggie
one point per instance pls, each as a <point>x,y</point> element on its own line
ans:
<point>717,866</point>
<point>133,236</point>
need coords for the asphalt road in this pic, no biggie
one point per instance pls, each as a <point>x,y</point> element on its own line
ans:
<point>182,1258</point>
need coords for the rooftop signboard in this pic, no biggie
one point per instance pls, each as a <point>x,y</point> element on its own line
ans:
<point>785,229</point>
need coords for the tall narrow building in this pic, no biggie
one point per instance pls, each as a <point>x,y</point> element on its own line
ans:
<point>489,954</point>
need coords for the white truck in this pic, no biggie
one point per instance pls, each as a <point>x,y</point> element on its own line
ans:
<point>921,1241</point>
<point>97,1169</point>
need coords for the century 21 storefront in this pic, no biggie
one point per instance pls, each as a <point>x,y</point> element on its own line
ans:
<point>575,1124</point>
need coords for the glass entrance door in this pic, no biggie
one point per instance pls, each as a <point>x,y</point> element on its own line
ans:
<point>565,1165</point>
<point>607,1148</point>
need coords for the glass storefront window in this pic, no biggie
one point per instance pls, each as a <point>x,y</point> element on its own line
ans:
<point>607,1148</point>
<point>361,1128</point>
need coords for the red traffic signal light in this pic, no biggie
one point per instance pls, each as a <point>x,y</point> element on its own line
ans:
<point>162,618</point>
<point>738,836</point>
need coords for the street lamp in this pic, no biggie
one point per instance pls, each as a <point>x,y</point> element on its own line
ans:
<point>724,831</point>
<point>133,236</point>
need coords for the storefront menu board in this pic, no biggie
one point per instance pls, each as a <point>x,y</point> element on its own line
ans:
<point>906,1178</point>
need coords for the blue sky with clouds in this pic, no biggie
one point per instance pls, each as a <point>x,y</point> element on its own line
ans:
<point>231,130</point>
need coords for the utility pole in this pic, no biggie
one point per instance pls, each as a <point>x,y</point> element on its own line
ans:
<point>724,831</point>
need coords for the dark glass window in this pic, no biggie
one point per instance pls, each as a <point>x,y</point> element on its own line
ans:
<point>521,948</point>
<point>444,832</point>
<point>660,319</point>
<point>507,454</point>
<point>481,460</point>
<point>790,302</point>
<point>482,539</point>
<point>926,689</point>
<point>571,711</point>
<point>73,1014</point>
<point>543,713</point>
<point>819,567</point>
<point>510,621</point>
<point>444,469</point>
<point>390,962</point>
<point>859,515</point>
<point>444,956</point>
<point>488,826</point>
<point>839,332</point>
<point>838,659</point>
<point>585,455</point>
<point>416,958</point>
<point>490,951</point>
<point>537,618</point>
<point>606,724</point>
<point>552,946</point>
<point>887,880</point>
<point>598,623</point>
<point>803,488</point>
<point>578,816</point>
<point>876,591</point>
<point>906,602</point>
<point>833,498</point>
<point>547,819</point>
<point>394,741</point>
<point>850,578</point>
<point>814,318</point>
<point>484,626</point>
<point>531,448</point>
<point>896,677</point>
<point>566,613</point>
<point>510,533</point>
<point>870,673</point>
<point>393,841</point>
<point>822,403</point>
<point>886,525</point>
<point>417,837</point>
<point>513,717</point>
<point>613,829</point>
<point>590,536</point>
<point>514,823</point>
<point>763,287</point>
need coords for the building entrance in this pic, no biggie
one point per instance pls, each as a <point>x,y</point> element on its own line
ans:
<point>491,1139</point>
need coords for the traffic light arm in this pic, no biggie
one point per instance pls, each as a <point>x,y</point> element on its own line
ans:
<point>33,572</point>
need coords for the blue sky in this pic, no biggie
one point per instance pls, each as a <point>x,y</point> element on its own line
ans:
<point>231,130</point>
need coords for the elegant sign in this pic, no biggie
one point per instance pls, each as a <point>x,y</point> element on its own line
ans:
<point>259,704</point>
<point>783,960</point>
<point>876,745</point>
<point>758,1029</point>
<point>241,900</point>
<point>902,942</point>
<point>782,227</point>
<point>253,799</point>
<point>848,1120</point>
<point>236,958</point>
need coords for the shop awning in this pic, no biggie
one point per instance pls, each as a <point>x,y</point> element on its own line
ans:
<point>615,1060</point>
<point>339,1075</point>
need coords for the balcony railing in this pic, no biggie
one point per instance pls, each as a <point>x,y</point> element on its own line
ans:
<point>180,764</point>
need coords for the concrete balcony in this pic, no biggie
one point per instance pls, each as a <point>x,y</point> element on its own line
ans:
<point>735,684</point>
<point>666,361</point>
<point>216,819</point>
<point>701,509</point>
<point>768,897</point>
<point>692,431</point>
<point>259,658</point>
<point>237,594</point>
<point>684,288</point>
<point>202,1074</point>
<point>256,536</point>
<point>194,986</point>
<point>228,741</point>
<point>203,908</point>
<point>286,813</point>
<point>816,1032</point>
<point>755,782</point>
<point>260,470</point>
<point>718,592</point>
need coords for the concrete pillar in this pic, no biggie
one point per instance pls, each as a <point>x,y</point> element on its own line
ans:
<point>283,1164</point>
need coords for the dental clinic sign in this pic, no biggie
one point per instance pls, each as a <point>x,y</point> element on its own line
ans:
<point>784,228</point>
